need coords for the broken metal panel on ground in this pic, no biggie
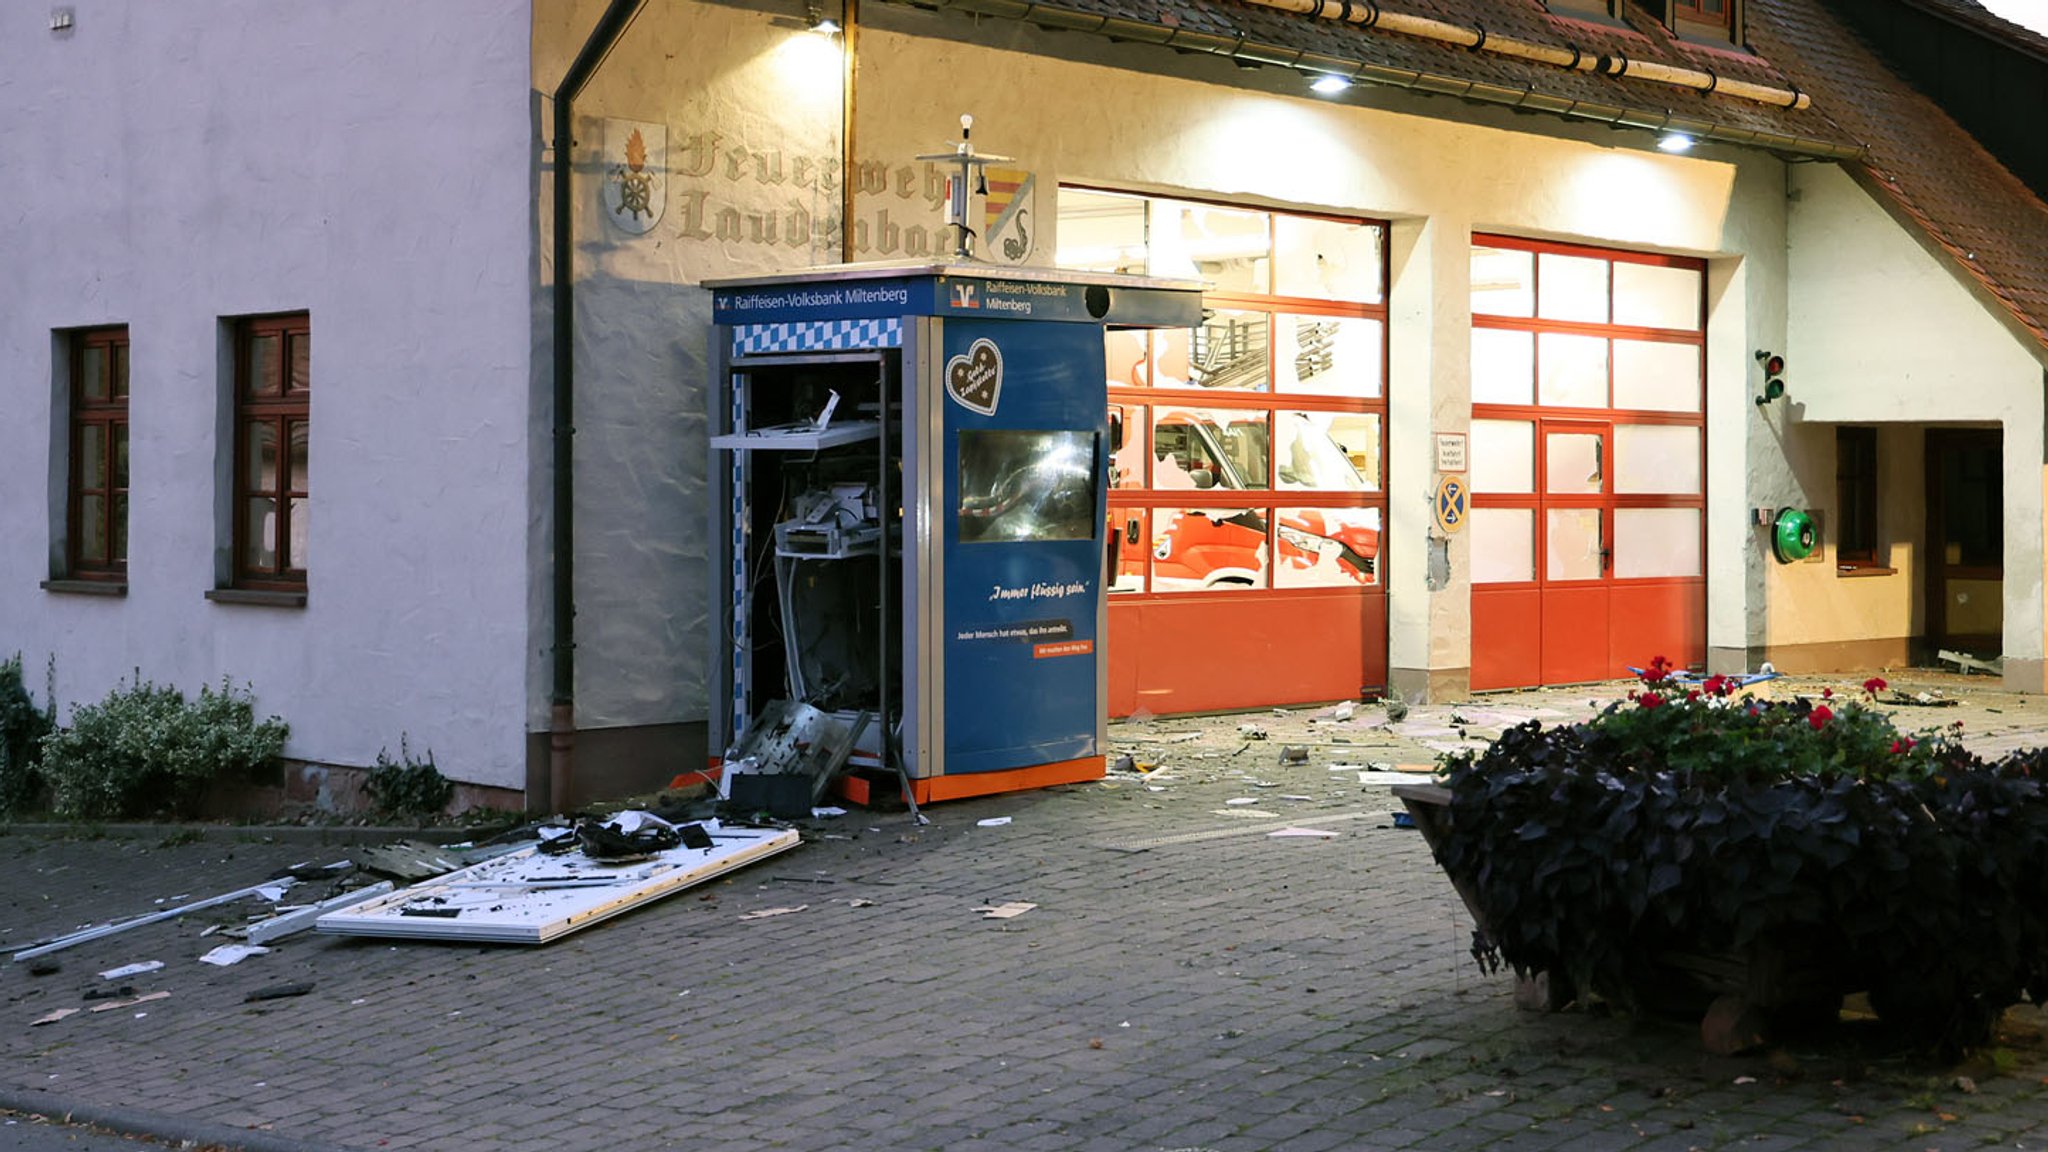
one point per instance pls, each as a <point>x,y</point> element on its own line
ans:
<point>530,898</point>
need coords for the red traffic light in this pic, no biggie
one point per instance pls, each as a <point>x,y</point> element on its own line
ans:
<point>1774,364</point>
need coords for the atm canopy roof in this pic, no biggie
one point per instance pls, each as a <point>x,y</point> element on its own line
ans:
<point>1900,144</point>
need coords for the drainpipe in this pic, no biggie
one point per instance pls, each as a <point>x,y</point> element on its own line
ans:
<point>849,45</point>
<point>562,699</point>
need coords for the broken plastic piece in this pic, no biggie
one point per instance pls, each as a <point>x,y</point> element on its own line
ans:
<point>765,913</point>
<point>131,969</point>
<point>1005,911</point>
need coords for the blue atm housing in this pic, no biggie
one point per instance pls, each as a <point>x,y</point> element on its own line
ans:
<point>980,411</point>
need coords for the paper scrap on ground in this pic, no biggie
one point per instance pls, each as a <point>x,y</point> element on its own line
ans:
<point>764,913</point>
<point>1302,834</point>
<point>827,813</point>
<point>860,902</point>
<point>1254,813</point>
<point>1005,911</point>
<point>228,954</point>
<point>131,969</point>
<point>273,892</point>
<point>1242,800</point>
<point>992,822</point>
<point>1371,776</point>
<point>53,1017</point>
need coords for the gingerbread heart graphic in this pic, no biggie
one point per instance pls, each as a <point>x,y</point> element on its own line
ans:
<point>975,378</point>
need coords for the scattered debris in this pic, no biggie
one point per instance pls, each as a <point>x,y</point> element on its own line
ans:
<point>1251,731</point>
<point>113,1004</point>
<point>44,968</point>
<point>860,902</point>
<point>1302,834</point>
<point>1293,754</point>
<point>1966,663</point>
<point>298,920</point>
<point>828,812</point>
<point>52,1017</point>
<point>228,954</point>
<point>1920,700</point>
<point>1344,711</point>
<point>1234,800</point>
<point>1397,708</point>
<point>765,913</point>
<point>1005,911</point>
<point>131,969</point>
<point>1966,1085</point>
<point>407,860</point>
<point>278,991</point>
<point>95,933</point>
<point>992,822</point>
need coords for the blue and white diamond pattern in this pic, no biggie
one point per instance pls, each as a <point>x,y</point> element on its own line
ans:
<point>817,336</point>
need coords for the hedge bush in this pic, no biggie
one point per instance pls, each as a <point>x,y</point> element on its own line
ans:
<point>1690,819</point>
<point>146,750</point>
<point>22,728</point>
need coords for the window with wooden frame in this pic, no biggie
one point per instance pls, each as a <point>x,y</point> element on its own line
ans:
<point>1856,543</point>
<point>96,520</point>
<point>1710,17</point>
<point>273,389</point>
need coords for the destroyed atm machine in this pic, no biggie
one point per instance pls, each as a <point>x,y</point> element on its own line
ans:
<point>909,469</point>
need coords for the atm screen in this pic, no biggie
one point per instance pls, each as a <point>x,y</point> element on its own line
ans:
<point>1026,485</point>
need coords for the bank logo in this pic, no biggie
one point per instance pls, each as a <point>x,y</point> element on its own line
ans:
<point>974,379</point>
<point>964,296</point>
<point>1008,221</point>
<point>635,174</point>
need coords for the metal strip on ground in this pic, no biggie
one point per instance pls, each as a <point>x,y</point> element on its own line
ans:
<point>1306,820</point>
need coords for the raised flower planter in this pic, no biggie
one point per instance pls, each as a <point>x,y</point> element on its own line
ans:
<point>1694,849</point>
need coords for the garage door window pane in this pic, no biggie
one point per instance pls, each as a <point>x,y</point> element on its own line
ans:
<point>1327,547</point>
<point>1572,543</point>
<point>1573,370</point>
<point>1653,296</point>
<point>1659,377</point>
<point>1213,549</point>
<point>1503,282</point>
<point>1571,288</point>
<point>1503,366</point>
<point>1327,355</point>
<point>1101,231</point>
<point>1657,459</point>
<point>1503,545</point>
<point>1326,259</point>
<point>1652,542</point>
<point>1503,456</point>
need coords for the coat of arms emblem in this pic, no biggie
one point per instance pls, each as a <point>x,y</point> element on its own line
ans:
<point>635,174</point>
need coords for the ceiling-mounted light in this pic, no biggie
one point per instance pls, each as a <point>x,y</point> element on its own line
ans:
<point>824,26</point>
<point>1328,84</point>
<point>1675,142</point>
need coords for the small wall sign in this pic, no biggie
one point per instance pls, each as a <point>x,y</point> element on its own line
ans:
<point>1450,451</point>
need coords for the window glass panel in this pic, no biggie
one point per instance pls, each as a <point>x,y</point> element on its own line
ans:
<point>262,456</point>
<point>300,347</point>
<point>1654,296</point>
<point>1202,448</point>
<point>1503,282</point>
<point>120,431</point>
<point>1657,458</point>
<point>1307,456</point>
<point>1230,248</point>
<point>1101,231</point>
<point>297,468</point>
<point>1503,366</point>
<point>1327,355</point>
<point>92,529</point>
<point>1574,463</point>
<point>1572,370</point>
<point>1571,287</point>
<point>1218,549</point>
<point>1503,545</point>
<point>299,517</point>
<point>1124,355</point>
<point>1021,485</point>
<point>1358,435</point>
<point>1571,543</point>
<point>1127,461</point>
<point>119,529</point>
<point>92,371</point>
<point>1656,376</point>
<point>118,368</point>
<point>263,354</point>
<point>1229,350</point>
<point>259,533</point>
<point>92,457</point>
<point>1503,456</point>
<point>1130,550</point>
<point>1327,547</point>
<point>1656,542</point>
<point>1327,259</point>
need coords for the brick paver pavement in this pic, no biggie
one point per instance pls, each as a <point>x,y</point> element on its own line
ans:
<point>1186,982</point>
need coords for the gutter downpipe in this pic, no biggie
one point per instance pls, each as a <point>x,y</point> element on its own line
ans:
<point>562,504</point>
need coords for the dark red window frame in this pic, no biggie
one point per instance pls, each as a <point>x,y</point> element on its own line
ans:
<point>1705,11</point>
<point>96,520</point>
<point>273,389</point>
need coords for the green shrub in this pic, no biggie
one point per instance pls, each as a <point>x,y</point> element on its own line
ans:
<point>22,728</point>
<point>146,750</point>
<point>408,787</point>
<point>1688,820</point>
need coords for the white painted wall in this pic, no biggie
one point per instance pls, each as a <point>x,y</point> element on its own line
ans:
<point>1881,331</point>
<point>166,165</point>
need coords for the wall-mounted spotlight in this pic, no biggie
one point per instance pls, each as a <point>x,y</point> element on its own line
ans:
<point>1675,142</point>
<point>822,24</point>
<point>1774,376</point>
<point>1328,84</point>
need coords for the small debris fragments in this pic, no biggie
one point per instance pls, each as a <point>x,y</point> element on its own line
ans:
<point>1251,731</point>
<point>1302,834</point>
<point>1293,754</point>
<point>1966,1085</point>
<point>992,822</point>
<point>1344,711</point>
<point>111,1005</point>
<point>53,1016</point>
<point>228,954</point>
<point>1005,911</point>
<point>131,969</point>
<point>279,991</point>
<point>44,967</point>
<point>765,913</point>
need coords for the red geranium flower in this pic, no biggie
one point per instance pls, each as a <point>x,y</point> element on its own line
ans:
<point>1827,693</point>
<point>1820,716</point>
<point>1874,685</point>
<point>1650,700</point>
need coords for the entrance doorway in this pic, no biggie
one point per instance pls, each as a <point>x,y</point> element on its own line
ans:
<point>1965,540</point>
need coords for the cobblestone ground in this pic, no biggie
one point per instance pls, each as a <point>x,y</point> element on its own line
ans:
<point>1186,981</point>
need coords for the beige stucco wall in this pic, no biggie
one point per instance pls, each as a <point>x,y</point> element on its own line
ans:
<point>768,96</point>
<point>1883,332</point>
